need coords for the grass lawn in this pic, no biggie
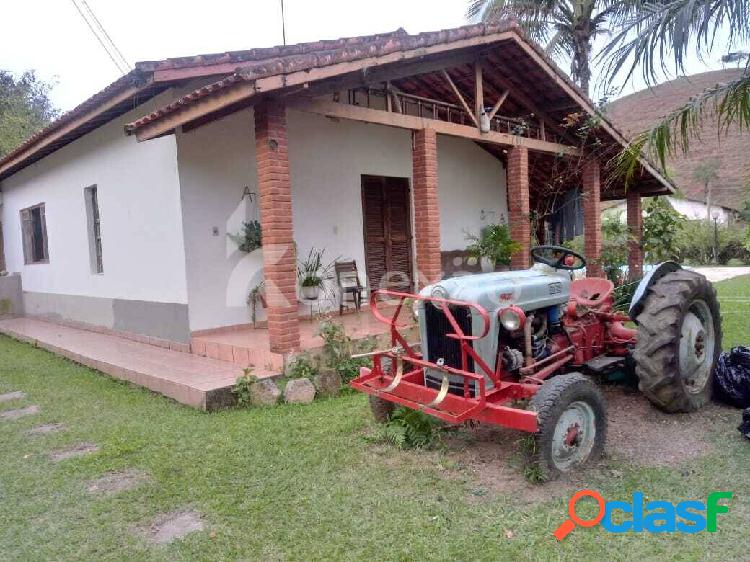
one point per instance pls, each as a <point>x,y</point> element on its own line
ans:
<point>304,482</point>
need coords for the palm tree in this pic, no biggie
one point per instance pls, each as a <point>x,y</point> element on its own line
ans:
<point>566,28</point>
<point>678,28</point>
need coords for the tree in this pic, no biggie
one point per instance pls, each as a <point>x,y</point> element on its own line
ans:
<point>706,172</point>
<point>25,108</point>
<point>676,28</point>
<point>566,27</point>
<point>661,228</point>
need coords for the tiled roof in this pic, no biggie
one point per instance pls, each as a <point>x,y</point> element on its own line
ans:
<point>262,63</point>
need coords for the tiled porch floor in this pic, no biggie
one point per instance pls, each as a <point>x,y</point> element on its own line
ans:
<point>196,381</point>
<point>245,345</point>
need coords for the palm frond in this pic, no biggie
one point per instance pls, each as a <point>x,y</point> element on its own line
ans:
<point>653,33</point>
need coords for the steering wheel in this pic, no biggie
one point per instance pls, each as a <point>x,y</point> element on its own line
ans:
<point>558,257</point>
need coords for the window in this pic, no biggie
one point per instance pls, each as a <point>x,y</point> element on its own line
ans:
<point>34,233</point>
<point>94,228</point>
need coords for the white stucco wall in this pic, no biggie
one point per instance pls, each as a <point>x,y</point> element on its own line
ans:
<point>327,160</point>
<point>141,220</point>
<point>691,210</point>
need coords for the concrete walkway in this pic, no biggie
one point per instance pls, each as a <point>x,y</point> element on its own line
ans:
<point>196,381</point>
<point>718,273</point>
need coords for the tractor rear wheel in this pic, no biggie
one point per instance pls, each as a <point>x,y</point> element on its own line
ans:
<point>381,409</point>
<point>572,425</point>
<point>679,341</point>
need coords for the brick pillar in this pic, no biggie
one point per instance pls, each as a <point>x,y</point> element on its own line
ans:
<point>635,227</point>
<point>592,218</point>
<point>518,205</point>
<point>426,208</point>
<point>275,197</point>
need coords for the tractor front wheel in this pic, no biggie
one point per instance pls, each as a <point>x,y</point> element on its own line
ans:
<point>679,341</point>
<point>381,409</point>
<point>572,425</point>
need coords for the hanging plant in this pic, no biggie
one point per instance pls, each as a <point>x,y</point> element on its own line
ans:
<point>251,237</point>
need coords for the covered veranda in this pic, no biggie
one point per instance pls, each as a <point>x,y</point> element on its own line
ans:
<point>484,83</point>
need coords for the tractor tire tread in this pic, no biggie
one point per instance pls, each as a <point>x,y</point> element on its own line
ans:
<point>656,352</point>
<point>549,403</point>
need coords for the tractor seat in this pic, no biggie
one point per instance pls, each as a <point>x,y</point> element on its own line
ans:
<point>591,292</point>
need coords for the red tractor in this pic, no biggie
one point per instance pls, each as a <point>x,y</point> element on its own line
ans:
<point>515,348</point>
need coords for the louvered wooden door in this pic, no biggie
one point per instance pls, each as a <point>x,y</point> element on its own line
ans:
<point>387,226</point>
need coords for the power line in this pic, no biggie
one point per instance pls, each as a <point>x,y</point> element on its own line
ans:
<point>104,31</point>
<point>122,66</point>
<point>283,24</point>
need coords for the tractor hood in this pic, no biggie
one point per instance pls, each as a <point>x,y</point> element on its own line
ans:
<point>530,289</point>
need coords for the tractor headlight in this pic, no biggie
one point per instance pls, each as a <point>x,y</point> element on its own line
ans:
<point>439,292</point>
<point>512,318</point>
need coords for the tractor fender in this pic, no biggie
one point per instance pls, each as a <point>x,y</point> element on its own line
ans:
<point>639,297</point>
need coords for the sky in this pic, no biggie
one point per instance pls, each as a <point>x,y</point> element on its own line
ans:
<point>51,37</point>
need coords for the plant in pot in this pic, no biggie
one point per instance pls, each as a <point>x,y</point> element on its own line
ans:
<point>250,239</point>
<point>256,295</point>
<point>312,273</point>
<point>493,246</point>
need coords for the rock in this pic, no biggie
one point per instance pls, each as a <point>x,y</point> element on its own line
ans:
<point>264,393</point>
<point>328,383</point>
<point>299,391</point>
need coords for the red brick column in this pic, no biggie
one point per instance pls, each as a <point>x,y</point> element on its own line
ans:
<point>426,208</point>
<point>275,197</point>
<point>635,226</point>
<point>518,204</point>
<point>592,218</point>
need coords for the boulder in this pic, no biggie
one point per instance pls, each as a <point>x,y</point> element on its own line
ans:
<point>264,392</point>
<point>328,383</point>
<point>299,391</point>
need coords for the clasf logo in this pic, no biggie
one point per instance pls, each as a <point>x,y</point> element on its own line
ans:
<point>658,516</point>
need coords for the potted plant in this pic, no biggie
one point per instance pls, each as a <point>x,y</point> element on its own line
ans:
<point>312,273</point>
<point>493,246</point>
<point>256,295</point>
<point>250,239</point>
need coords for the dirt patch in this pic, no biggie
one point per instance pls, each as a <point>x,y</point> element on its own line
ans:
<point>114,482</point>
<point>46,428</point>
<point>490,460</point>
<point>172,526</point>
<point>20,413</point>
<point>78,450</point>
<point>638,433</point>
<point>8,396</point>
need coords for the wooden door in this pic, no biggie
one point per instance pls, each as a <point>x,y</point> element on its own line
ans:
<point>387,230</point>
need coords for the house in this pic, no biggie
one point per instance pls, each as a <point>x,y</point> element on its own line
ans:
<point>383,149</point>
<point>688,208</point>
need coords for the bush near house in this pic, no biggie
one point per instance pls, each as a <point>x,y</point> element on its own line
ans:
<point>695,243</point>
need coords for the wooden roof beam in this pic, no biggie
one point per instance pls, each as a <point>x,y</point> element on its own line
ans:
<point>460,98</point>
<point>357,113</point>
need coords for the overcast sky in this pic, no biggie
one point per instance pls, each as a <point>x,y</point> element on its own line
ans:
<point>51,37</point>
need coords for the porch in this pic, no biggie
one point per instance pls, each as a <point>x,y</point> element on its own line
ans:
<point>303,131</point>
<point>249,346</point>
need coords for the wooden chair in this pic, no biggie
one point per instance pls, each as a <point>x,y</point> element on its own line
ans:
<point>347,278</point>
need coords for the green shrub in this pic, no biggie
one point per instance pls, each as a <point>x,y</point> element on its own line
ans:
<point>242,387</point>
<point>614,257</point>
<point>410,429</point>
<point>251,237</point>
<point>493,243</point>
<point>338,349</point>
<point>695,243</point>
<point>302,368</point>
<point>662,225</point>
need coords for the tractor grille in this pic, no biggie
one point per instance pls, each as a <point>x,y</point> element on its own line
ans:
<point>438,345</point>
